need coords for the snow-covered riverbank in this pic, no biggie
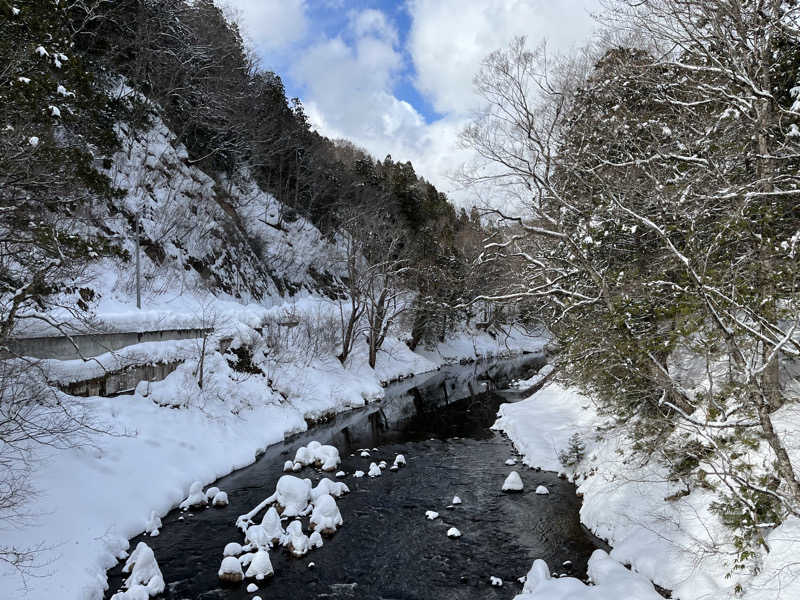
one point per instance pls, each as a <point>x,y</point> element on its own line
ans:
<point>90,500</point>
<point>663,535</point>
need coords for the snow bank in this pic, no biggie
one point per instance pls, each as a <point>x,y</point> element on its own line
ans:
<point>612,582</point>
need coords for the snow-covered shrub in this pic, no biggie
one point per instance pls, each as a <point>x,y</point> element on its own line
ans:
<point>574,452</point>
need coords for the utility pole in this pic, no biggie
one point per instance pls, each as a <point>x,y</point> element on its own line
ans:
<point>138,269</point>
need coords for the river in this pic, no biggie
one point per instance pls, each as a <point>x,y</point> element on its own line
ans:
<point>386,549</point>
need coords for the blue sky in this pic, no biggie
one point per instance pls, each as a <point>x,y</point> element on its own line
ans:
<point>395,77</point>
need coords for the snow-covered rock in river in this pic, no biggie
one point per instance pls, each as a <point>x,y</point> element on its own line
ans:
<point>232,549</point>
<point>453,533</point>
<point>288,466</point>
<point>511,462</point>
<point>542,491</point>
<point>495,581</point>
<point>456,500</point>
<point>271,523</point>
<point>196,497</point>
<point>230,571</point>
<point>431,515</point>
<point>383,464</point>
<point>324,457</point>
<point>211,492</point>
<point>340,474</point>
<point>220,499</point>
<point>315,540</point>
<point>260,566</point>
<point>374,470</point>
<point>326,516</point>
<point>400,460</point>
<point>358,474</point>
<point>296,541</point>
<point>252,587</point>
<point>326,486</point>
<point>513,482</point>
<point>292,495</point>
<point>145,577</point>
<point>365,454</point>
<point>257,537</point>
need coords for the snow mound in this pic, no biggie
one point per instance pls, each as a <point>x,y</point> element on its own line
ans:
<point>252,587</point>
<point>211,492</point>
<point>453,533</point>
<point>358,474</point>
<point>315,540</point>
<point>296,541</point>
<point>495,581</point>
<point>511,462</point>
<point>365,454</point>
<point>324,457</point>
<point>257,537</point>
<point>292,495</point>
<point>232,549</point>
<point>456,500</point>
<point>196,497</point>
<point>220,499</point>
<point>145,578</point>
<point>374,470</point>
<point>271,523</point>
<point>383,464</point>
<point>400,460</point>
<point>612,582</point>
<point>340,474</point>
<point>326,516</point>
<point>287,466</point>
<point>326,486</point>
<point>230,571</point>
<point>542,491</point>
<point>513,482</point>
<point>260,566</point>
<point>153,524</point>
<point>431,515</point>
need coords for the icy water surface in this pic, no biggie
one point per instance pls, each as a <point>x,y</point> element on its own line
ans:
<point>386,549</point>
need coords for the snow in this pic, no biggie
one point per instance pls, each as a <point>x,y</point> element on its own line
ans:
<point>288,466</point>
<point>326,516</point>
<point>453,533</point>
<point>431,515</point>
<point>296,541</point>
<point>511,462</point>
<point>196,497</point>
<point>542,491</point>
<point>232,549</point>
<point>495,581</point>
<point>513,483</point>
<point>211,492</point>
<point>260,566</point>
<point>340,474</point>
<point>41,51</point>
<point>326,486</point>
<point>54,111</point>
<point>374,470</point>
<point>230,570</point>
<point>358,474</point>
<point>364,453</point>
<point>315,540</point>
<point>153,524</point>
<point>271,523</point>
<point>145,576</point>
<point>324,457</point>
<point>252,587</point>
<point>14,11</point>
<point>24,80</point>
<point>220,499</point>
<point>456,500</point>
<point>612,581</point>
<point>400,460</point>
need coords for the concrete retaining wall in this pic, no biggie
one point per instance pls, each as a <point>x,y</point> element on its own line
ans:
<point>90,345</point>
<point>120,382</point>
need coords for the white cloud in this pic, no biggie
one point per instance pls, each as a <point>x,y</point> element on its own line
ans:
<point>450,38</point>
<point>270,24</point>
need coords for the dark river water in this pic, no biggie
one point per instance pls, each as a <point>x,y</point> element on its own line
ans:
<point>386,549</point>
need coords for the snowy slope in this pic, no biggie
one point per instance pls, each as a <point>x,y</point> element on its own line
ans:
<point>670,538</point>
